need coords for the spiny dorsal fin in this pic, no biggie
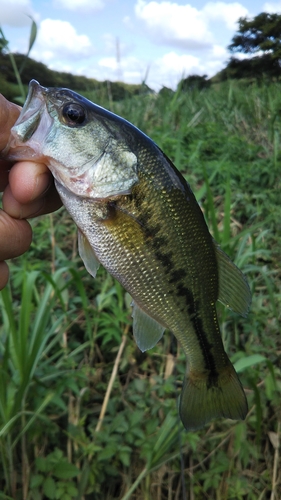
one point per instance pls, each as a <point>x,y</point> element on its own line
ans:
<point>234,291</point>
<point>87,254</point>
<point>147,331</point>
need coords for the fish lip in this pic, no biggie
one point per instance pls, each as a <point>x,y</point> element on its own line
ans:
<point>31,110</point>
<point>27,122</point>
<point>34,88</point>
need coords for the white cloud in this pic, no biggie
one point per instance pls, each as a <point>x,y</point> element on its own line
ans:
<point>16,12</point>
<point>129,69</point>
<point>108,62</point>
<point>186,26</point>
<point>219,52</point>
<point>167,70</point>
<point>216,60</point>
<point>272,7</point>
<point>180,64</point>
<point>171,68</point>
<point>229,13</point>
<point>58,41</point>
<point>80,5</point>
<point>181,25</point>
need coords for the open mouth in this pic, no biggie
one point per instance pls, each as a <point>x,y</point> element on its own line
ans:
<point>29,118</point>
<point>20,147</point>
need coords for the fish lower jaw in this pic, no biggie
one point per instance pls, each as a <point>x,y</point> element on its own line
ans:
<point>20,152</point>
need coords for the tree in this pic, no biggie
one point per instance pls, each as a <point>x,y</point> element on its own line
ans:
<point>194,82</point>
<point>260,38</point>
<point>261,34</point>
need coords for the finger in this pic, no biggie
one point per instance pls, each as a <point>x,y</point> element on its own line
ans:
<point>49,202</point>
<point>31,191</point>
<point>16,236</point>
<point>52,202</point>
<point>4,274</point>
<point>29,180</point>
<point>9,113</point>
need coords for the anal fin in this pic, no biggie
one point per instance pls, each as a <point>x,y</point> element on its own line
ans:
<point>147,331</point>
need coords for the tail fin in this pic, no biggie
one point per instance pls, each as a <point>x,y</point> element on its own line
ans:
<point>206,396</point>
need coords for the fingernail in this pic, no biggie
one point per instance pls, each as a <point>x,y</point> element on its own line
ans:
<point>43,183</point>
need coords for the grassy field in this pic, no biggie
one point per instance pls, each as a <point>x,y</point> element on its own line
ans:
<point>83,413</point>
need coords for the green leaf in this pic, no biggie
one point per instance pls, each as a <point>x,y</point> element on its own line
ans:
<point>33,34</point>
<point>60,490</point>
<point>3,43</point>
<point>72,490</point>
<point>65,470</point>
<point>49,488</point>
<point>125,458</point>
<point>244,363</point>
<point>107,453</point>
<point>42,464</point>
<point>66,496</point>
<point>36,480</point>
<point>32,38</point>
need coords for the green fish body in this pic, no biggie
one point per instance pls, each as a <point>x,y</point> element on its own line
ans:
<point>138,217</point>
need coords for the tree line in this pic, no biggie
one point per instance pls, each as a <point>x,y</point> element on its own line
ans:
<point>258,39</point>
<point>49,78</point>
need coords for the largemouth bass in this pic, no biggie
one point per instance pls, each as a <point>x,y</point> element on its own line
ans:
<point>137,216</point>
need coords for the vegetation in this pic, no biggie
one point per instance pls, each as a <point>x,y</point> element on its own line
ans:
<point>194,82</point>
<point>260,34</point>
<point>260,38</point>
<point>83,413</point>
<point>16,71</point>
<point>49,78</point>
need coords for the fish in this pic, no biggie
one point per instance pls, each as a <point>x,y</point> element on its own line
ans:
<point>138,217</point>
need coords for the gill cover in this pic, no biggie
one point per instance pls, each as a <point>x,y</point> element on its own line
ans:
<point>75,138</point>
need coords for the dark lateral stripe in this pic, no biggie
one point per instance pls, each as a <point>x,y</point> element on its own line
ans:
<point>204,344</point>
<point>159,242</point>
<point>165,258</point>
<point>177,275</point>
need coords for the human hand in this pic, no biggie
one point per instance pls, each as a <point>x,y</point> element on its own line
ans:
<point>29,191</point>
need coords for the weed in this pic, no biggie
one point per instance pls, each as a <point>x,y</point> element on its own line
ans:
<point>83,413</point>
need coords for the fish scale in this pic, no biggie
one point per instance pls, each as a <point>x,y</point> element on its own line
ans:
<point>155,291</point>
<point>137,216</point>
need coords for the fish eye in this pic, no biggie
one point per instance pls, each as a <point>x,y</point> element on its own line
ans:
<point>73,114</point>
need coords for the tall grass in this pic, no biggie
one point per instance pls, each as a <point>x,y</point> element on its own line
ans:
<point>83,413</point>
<point>4,45</point>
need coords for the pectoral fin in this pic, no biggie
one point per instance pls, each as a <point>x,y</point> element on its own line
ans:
<point>87,254</point>
<point>234,291</point>
<point>147,331</point>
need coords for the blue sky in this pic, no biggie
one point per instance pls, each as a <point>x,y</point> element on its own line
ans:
<point>129,40</point>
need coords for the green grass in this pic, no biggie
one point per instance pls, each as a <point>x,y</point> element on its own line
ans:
<point>83,413</point>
